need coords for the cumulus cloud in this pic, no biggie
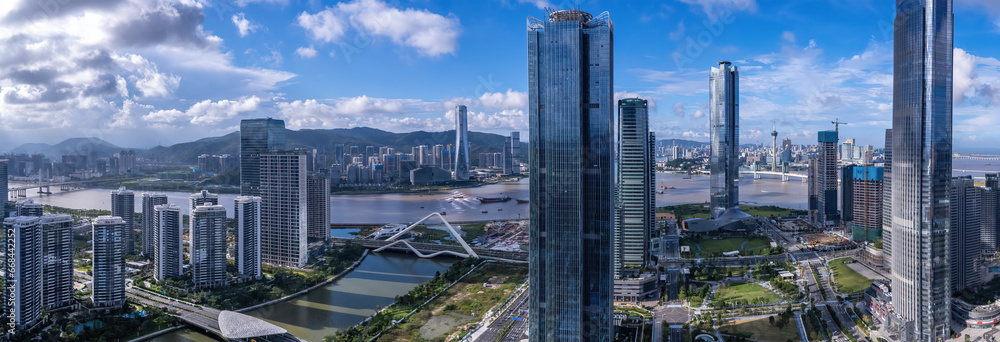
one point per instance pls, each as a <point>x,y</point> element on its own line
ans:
<point>244,25</point>
<point>679,109</point>
<point>541,4</point>
<point>429,33</point>
<point>206,112</point>
<point>650,103</point>
<point>510,99</point>
<point>244,3</point>
<point>306,52</point>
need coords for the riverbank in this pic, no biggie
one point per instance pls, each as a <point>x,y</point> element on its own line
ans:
<point>311,288</point>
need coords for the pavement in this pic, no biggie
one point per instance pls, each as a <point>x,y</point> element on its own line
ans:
<point>493,331</point>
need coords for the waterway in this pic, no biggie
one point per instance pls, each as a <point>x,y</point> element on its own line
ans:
<point>343,303</point>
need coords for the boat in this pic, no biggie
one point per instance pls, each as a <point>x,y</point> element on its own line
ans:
<point>521,201</point>
<point>485,211</point>
<point>501,209</point>
<point>493,199</point>
<point>458,196</point>
<point>444,213</point>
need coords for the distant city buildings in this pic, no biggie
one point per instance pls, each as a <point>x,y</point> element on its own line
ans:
<point>169,246</point>
<point>635,210</point>
<point>283,213</point>
<point>257,136</point>
<point>571,115</point>
<point>123,206</point>
<point>246,211</point>
<point>208,245</point>
<point>109,262</point>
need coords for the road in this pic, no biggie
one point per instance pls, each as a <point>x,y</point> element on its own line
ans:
<point>204,317</point>
<point>495,330</point>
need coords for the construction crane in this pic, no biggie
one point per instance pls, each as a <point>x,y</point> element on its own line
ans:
<point>836,124</point>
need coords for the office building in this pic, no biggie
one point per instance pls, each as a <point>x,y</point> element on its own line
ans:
<point>283,217</point>
<point>866,209</point>
<point>966,224</point>
<point>571,117</point>
<point>57,262</point>
<point>847,195</point>
<point>109,262</point>
<point>508,160</point>
<point>28,208</point>
<point>123,205</point>
<point>887,202</point>
<point>318,205</point>
<point>257,136</point>
<point>991,215</point>
<point>23,273</point>
<point>515,151</point>
<point>149,203</point>
<point>724,118</point>
<point>208,245</point>
<point>826,180</point>
<point>462,143</point>
<point>169,247</point>
<point>635,211</point>
<point>921,166</point>
<point>246,211</point>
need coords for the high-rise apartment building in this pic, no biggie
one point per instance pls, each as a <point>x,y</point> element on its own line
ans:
<point>991,214</point>
<point>149,202</point>
<point>283,216</point>
<point>867,190</point>
<point>169,246</point>
<point>635,213</point>
<point>23,272</point>
<point>462,144</point>
<point>826,180</point>
<point>123,205</point>
<point>3,180</point>
<point>208,245</point>
<point>57,262</point>
<point>257,136</point>
<point>28,208</point>
<point>203,198</point>
<point>921,166</point>
<point>724,115</point>
<point>966,224</point>
<point>847,195</point>
<point>246,211</point>
<point>571,117</point>
<point>109,262</point>
<point>318,205</point>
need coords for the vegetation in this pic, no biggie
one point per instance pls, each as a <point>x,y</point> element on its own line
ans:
<point>785,288</point>
<point>122,324</point>
<point>846,279</point>
<point>404,304</point>
<point>700,210</point>
<point>771,211</point>
<point>983,294</point>
<point>814,325</point>
<point>89,213</point>
<point>763,329</point>
<point>737,294</point>
<point>843,329</point>
<point>746,246</point>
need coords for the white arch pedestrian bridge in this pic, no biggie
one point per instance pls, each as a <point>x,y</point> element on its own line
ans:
<point>469,252</point>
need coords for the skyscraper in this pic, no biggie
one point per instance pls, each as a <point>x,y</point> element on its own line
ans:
<point>149,202</point>
<point>508,159</point>
<point>724,114</point>
<point>847,195</point>
<point>3,181</point>
<point>966,222</point>
<point>169,246</point>
<point>203,198</point>
<point>318,205</point>
<point>109,262</point>
<point>257,136</point>
<point>991,214</point>
<point>123,205</point>
<point>887,202</point>
<point>57,262</point>
<point>246,211</point>
<point>23,284</point>
<point>515,151</point>
<point>283,218</point>
<point>208,245</point>
<point>634,214</point>
<point>571,115</point>
<point>827,179</point>
<point>461,144</point>
<point>29,208</point>
<point>867,190</point>
<point>921,165</point>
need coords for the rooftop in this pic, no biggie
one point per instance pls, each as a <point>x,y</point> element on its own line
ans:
<point>235,325</point>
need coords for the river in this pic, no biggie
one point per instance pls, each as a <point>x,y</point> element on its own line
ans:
<point>343,303</point>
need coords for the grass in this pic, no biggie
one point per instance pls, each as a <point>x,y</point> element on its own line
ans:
<point>633,311</point>
<point>846,279</point>
<point>459,306</point>
<point>719,246</point>
<point>743,294</point>
<point>699,210</point>
<point>760,329</point>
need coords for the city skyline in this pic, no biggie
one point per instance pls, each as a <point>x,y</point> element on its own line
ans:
<point>813,71</point>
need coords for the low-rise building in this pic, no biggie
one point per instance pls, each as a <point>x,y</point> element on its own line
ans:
<point>644,287</point>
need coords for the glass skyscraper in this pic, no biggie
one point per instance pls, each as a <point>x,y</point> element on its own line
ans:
<point>921,166</point>
<point>635,210</point>
<point>571,115</point>
<point>257,136</point>
<point>461,144</point>
<point>724,108</point>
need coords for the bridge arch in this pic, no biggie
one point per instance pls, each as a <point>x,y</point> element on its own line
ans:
<point>458,237</point>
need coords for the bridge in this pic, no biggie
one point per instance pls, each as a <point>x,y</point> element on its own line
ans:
<point>229,325</point>
<point>45,187</point>
<point>784,176</point>
<point>427,249</point>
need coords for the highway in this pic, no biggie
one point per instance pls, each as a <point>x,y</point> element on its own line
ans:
<point>495,331</point>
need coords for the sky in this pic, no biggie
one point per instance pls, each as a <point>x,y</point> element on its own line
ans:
<point>141,73</point>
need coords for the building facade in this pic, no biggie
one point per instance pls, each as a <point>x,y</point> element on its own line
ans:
<point>109,262</point>
<point>246,211</point>
<point>169,246</point>
<point>23,279</point>
<point>123,205</point>
<point>571,115</point>
<point>462,143</point>
<point>724,116</point>
<point>208,245</point>
<point>921,166</point>
<point>149,202</point>
<point>257,136</point>
<point>887,201</point>
<point>867,190</point>
<point>826,180</point>
<point>966,224</point>
<point>57,262</point>
<point>635,213</point>
<point>318,205</point>
<point>283,218</point>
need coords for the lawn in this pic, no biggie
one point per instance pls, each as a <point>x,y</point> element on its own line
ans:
<point>713,246</point>
<point>847,280</point>
<point>743,294</point>
<point>698,210</point>
<point>760,329</point>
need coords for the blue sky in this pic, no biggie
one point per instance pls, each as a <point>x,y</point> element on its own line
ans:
<point>147,72</point>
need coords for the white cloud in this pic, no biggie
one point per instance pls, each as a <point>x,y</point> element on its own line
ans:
<point>715,9</point>
<point>510,99</point>
<point>788,36</point>
<point>244,3</point>
<point>679,109</point>
<point>541,4</point>
<point>206,112</point>
<point>964,75</point>
<point>306,52</point>
<point>244,25</point>
<point>429,33</point>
